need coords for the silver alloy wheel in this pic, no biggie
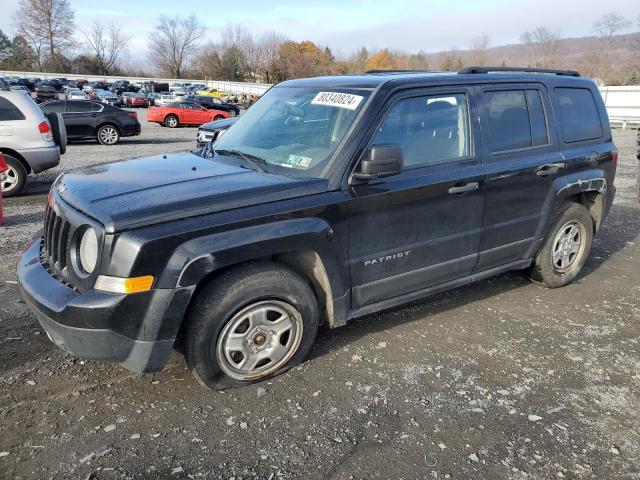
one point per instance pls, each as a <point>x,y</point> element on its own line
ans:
<point>171,122</point>
<point>232,113</point>
<point>9,179</point>
<point>108,135</point>
<point>259,339</point>
<point>568,246</point>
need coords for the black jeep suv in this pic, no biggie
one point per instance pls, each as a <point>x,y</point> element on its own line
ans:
<point>330,199</point>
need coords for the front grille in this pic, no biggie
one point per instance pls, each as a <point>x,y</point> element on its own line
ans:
<point>57,233</point>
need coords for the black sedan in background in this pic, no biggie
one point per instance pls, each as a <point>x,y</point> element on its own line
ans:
<point>91,119</point>
<point>213,103</point>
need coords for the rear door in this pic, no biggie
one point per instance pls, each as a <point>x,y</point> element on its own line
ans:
<point>522,161</point>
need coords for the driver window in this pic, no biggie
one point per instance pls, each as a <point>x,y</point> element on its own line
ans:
<point>431,129</point>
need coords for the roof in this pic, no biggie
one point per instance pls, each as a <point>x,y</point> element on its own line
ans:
<point>374,79</point>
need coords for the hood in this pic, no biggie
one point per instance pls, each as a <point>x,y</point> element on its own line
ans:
<point>150,190</point>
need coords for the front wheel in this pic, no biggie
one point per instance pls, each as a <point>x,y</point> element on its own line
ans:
<point>232,113</point>
<point>566,247</point>
<point>171,121</point>
<point>251,323</point>
<point>218,117</point>
<point>108,135</point>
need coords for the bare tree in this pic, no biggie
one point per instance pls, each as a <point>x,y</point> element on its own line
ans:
<point>606,28</point>
<point>108,44</point>
<point>269,54</point>
<point>479,47</point>
<point>173,42</point>
<point>48,25</point>
<point>542,43</point>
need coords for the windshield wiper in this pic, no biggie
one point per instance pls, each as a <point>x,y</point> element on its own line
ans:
<point>252,160</point>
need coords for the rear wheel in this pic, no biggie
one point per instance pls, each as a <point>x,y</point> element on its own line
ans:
<point>14,179</point>
<point>566,247</point>
<point>108,135</point>
<point>218,117</point>
<point>232,113</point>
<point>171,121</point>
<point>252,323</point>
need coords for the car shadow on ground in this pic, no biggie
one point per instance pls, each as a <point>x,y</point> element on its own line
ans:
<point>330,340</point>
<point>14,220</point>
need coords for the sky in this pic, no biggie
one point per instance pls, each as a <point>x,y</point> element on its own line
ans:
<point>345,25</point>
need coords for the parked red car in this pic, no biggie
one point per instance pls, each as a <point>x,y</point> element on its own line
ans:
<point>137,100</point>
<point>183,113</point>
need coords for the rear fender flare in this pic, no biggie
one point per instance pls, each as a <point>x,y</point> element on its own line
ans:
<point>568,186</point>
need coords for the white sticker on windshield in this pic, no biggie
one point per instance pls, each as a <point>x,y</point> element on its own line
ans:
<point>340,100</point>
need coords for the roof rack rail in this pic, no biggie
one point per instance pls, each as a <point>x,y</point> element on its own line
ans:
<point>474,70</point>
<point>399,71</point>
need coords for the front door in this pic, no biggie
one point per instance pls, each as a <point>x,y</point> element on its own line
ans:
<point>79,118</point>
<point>420,228</point>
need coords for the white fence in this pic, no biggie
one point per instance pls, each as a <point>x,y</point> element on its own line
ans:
<point>238,87</point>
<point>623,105</point>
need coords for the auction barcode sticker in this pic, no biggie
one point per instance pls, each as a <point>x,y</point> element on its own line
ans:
<point>340,100</point>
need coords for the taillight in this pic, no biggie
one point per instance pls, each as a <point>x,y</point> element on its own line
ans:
<point>614,157</point>
<point>45,130</point>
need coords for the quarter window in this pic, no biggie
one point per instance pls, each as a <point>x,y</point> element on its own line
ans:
<point>79,106</point>
<point>579,116</point>
<point>54,107</point>
<point>8,111</point>
<point>516,120</point>
<point>431,129</point>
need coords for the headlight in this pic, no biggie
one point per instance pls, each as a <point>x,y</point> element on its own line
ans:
<point>88,250</point>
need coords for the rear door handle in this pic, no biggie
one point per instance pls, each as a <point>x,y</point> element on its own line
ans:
<point>468,187</point>
<point>549,169</point>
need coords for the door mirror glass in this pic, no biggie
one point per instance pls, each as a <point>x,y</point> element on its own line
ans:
<point>380,161</point>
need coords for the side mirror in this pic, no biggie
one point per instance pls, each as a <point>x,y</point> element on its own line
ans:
<point>380,161</point>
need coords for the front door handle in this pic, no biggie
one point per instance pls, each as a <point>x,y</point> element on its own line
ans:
<point>467,187</point>
<point>549,169</point>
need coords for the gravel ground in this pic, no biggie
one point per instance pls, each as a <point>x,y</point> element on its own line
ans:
<point>500,379</point>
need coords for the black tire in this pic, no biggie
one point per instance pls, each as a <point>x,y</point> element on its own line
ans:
<point>59,130</point>
<point>171,121</point>
<point>545,270</point>
<point>13,180</point>
<point>218,117</point>
<point>108,135</point>
<point>228,296</point>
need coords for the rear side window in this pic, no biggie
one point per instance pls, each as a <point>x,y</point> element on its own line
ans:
<point>79,106</point>
<point>579,118</point>
<point>8,111</point>
<point>54,107</point>
<point>516,120</point>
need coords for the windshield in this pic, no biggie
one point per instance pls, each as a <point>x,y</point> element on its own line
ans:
<point>297,128</point>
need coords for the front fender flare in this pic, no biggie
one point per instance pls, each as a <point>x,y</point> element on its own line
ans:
<point>197,258</point>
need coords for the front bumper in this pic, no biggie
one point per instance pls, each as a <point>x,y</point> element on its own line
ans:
<point>137,331</point>
<point>41,159</point>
